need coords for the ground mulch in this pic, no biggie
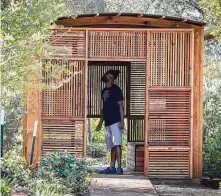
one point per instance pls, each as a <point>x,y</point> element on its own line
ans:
<point>182,188</point>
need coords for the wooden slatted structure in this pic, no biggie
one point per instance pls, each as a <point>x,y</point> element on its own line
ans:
<point>64,101</point>
<point>169,98</point>
<point>160,59</point>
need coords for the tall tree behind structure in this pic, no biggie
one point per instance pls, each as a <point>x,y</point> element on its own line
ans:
<point>180,8</point>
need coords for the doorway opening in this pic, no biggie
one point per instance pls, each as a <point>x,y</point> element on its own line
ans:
<point>132,82</point>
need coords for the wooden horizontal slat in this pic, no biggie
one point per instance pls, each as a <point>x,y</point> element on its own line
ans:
<point>169,163</point>
<point>63,136</point>
<point>137,88</point>
<point>169,117</point>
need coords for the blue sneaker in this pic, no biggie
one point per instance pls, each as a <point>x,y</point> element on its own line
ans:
<point>109,170</point>
<point>120,171</point>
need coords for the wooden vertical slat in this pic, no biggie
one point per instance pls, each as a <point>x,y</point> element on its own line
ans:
<point>196,105</point>
<point>115,47</point>
<point>85,94</point>
<point>146,134</point>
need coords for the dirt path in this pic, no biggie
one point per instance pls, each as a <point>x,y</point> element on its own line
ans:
<point>122,185</point>
<point>182,188</point>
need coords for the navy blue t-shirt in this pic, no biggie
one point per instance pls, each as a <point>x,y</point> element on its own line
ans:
<point>111,111</point>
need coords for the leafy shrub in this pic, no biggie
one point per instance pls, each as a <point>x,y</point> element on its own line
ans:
<point>42,187</point>
<point>15,171</point>
<point>96,150</point>
<point>71,172</point>
<point>57,174</point>
<point>212,119</point>
<point>5,188</point>
<point>212,155</point>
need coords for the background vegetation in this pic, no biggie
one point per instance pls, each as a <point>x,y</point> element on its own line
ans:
<point>96,147</point>
<point>25,27</point>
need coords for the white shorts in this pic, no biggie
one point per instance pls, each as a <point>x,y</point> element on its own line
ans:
<point>113,136</point>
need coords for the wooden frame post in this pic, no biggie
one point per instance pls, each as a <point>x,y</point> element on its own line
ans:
<point>146,133</point>
<point>198,102</point>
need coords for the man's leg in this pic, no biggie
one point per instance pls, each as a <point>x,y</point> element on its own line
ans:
<point>109,143</point>
<point>117,143</point>
<point>113,156</point>
<point>118,150</point>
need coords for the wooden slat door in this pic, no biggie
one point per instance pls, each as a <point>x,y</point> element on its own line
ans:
<point>64,106</point>
<point>168,139</point>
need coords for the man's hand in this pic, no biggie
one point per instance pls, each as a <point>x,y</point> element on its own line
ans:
<point>98,128</point>
<point>121,125</point>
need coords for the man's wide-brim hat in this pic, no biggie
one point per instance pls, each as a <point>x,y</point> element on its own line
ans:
<point>114,73</point>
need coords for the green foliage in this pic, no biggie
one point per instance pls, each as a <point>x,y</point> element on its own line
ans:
<point>98,145</point>
<point>57,174</point>
<point>212,119</point>
<point>25,26</point>
<point>13,122</point>
<point>5,187</point>
<point>107,158</point>
<point>96,150</point>
<point>73,173</point>
<point>97,136</point>
<point>212,96</point>
<point>212,155</point>
<point>213,15</point>
<point>15,171</point>
<point>44,187</point>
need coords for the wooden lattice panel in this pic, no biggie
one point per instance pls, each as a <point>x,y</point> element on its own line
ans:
<point>67,97</point>
<point>95,72</point>
<point>60,136</point>
<point>137,88</point>
<point>169,117</point>
<point>170,58</point>
<point>169,163</point>
<point>117,44</point>
<point>66,43</point>
<point>136,130</point>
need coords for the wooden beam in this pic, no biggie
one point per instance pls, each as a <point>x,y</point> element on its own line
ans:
<point>62,118</point>
<point>124,20</point>
<point>123,29</point>
<point>118,59</point>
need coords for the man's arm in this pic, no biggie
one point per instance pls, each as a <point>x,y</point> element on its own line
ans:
<point>121,107</point>
<point>101,121</point>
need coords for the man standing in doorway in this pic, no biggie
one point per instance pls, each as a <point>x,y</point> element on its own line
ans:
<point>113,116</point>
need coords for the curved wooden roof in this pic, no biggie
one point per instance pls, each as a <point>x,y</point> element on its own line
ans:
<point>123,20</point>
